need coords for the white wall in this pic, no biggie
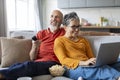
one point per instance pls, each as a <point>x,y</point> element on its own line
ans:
<point>49,6</point>
<point>91,14</point>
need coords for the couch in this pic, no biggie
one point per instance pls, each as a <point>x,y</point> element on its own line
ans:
<point>13,50</point>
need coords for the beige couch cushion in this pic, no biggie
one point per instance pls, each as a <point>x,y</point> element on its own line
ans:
<point>61,78</point>
<point>42,77</point>
<point>14,51</point>
<point>96,41</point>
<point>18,37</point>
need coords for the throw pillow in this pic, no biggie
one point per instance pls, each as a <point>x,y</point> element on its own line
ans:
<point>15,51</point>
<point>18,37</point>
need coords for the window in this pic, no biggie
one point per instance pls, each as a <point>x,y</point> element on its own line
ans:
<point>20,15</point>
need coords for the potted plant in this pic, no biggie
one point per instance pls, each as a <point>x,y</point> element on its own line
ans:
<point>105,22</point>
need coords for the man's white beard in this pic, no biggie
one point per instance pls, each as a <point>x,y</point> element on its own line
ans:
<point>53,28</point>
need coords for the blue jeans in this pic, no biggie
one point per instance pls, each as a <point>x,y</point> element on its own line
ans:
<point>27,69</point>
<point>106,72</point>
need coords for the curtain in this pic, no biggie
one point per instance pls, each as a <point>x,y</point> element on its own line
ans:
<point>39,14</point>
<point>3,28</point>
<point>3,17</point>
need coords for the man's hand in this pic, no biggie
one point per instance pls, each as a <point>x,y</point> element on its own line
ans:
<point>36,43</point>
<point>34,49</point>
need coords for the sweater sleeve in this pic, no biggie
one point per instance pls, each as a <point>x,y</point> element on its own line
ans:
<point>61,54</point>
<point>89,52</point>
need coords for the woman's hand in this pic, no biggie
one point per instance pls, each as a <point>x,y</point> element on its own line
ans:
<point>90,61</point>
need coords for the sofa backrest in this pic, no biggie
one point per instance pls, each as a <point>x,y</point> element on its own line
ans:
<point>96,33</point>
<point>25,34</point>
<point>95,41</point>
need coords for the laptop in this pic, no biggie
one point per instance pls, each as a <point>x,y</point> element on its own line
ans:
<point>108,53</point>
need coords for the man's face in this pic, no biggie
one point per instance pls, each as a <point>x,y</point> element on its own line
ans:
<point>56,19</point>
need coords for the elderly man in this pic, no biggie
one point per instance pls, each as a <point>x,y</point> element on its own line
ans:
<point>42,59</point>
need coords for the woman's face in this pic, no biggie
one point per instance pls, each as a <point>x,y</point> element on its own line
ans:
<point>72,30</point>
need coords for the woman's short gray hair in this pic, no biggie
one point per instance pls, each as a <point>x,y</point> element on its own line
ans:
<point>70,16</point>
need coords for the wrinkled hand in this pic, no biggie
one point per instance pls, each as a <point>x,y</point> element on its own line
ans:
<point>36,43</point>
<point>90,61</point>
<point>34,50</point>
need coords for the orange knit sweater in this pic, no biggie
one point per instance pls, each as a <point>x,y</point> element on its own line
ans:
<point>70,53</point>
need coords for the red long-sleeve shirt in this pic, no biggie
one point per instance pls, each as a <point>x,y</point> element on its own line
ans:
<point>47,38</point>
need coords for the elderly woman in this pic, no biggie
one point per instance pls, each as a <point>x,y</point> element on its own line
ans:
<point>74,52</point>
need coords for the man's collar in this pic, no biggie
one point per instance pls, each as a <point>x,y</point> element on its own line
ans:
<point>49,31</point>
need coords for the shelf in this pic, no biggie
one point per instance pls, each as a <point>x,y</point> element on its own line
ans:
<point>113,29</point>
<point>101,27</point>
